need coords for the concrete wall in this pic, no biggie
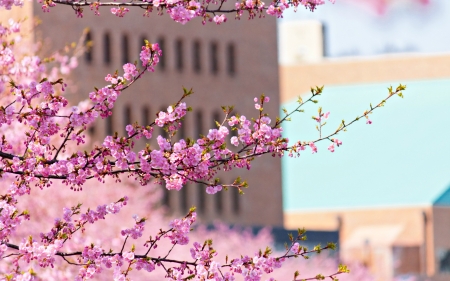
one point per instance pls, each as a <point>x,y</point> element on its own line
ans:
<point>441,230</point>
<point>388,241</point>
<point>296,80</point>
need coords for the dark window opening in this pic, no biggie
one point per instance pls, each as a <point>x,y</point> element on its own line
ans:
<point>125,50</point>
<point>141,43</point>
<point>109,125</point>
<point>184,208</point>
<point>235,206</point>
<point>200,187</point>
<point>197,57</point>
<point>231,53</point>
<point>92,129</point>
<point>126,118</point>
<point>179,55</point>
<point>198,124</point>
<point>201,198</point>
<point>145,116</point>
<point>234,133</point>
<point>181,130</point>
<point>219,202</point>
<point>106,48</point>
<point>218,197</point>
<point>444,262</point>
<point>214,58</point>
<point>88,56</point>
<point>162,58</point>
<point>166,197</point>
<point>324,39</point>
<point>163,132</point>
<point>216,119</point>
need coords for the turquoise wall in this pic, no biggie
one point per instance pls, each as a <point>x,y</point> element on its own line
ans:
<point>401,159</point>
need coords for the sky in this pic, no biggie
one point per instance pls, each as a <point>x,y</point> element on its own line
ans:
<point>407,26</point>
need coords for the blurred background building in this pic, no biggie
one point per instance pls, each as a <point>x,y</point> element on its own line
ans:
<point>386,190</point>
<point>229,67</point>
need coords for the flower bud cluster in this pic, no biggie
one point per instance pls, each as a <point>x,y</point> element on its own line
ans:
<point>10,218</point>
<point>44,254</point>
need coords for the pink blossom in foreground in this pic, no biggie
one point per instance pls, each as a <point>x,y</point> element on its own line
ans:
<point>43,149</point>
<point>220,19</point>
<point>331,148</point>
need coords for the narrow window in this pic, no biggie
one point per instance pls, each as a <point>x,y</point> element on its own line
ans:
<point>214,58</point>
<point>166,197</point>
<point>235,206</point>
<point>184,199</point>
<point>231,54</point>
<point>219,202</point>
<point>92,130</point>
<point>145,116</point>
<point>216,118</point>
<point>179,55</point>
<point>200,187</point>
<point>201,197</point>
<point>218,197</point>
<point>234,133</point>
<point>106,48</point>
<point>196,57</point>
<point>162,58</point>
<point>109,125</point>
<point>126,117</point>
<point>198,124</point>
<point>140,44</point>
<point>181,130</point>
<point>125,49</point>
<point>88,46</point>
<point>324,39</point>
<point>163,132</point>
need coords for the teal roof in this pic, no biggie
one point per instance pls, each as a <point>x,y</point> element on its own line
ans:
<point>402,158</point>
<point>444,199</point>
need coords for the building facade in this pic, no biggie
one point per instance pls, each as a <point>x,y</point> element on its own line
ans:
<point>224,65</point>
<point>386,188</point>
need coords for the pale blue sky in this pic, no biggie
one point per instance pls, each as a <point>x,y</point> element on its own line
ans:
<point>351,30</point>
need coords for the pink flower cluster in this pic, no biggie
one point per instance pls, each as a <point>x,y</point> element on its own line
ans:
<point>136,231</point>
<point>8,4</point>
<point>149,56</point>
<point>120,12</point>
<point>180,229</point>
<point>322,116</point>
<point>171,117</point>
<point>44,254</point>
<point>252,268</point>
<point>220,19</point>
<point>183,12</point>
<point>334,141</point>
<point>213,189</point>
<point>10,217</point>
<point>64,228</point>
